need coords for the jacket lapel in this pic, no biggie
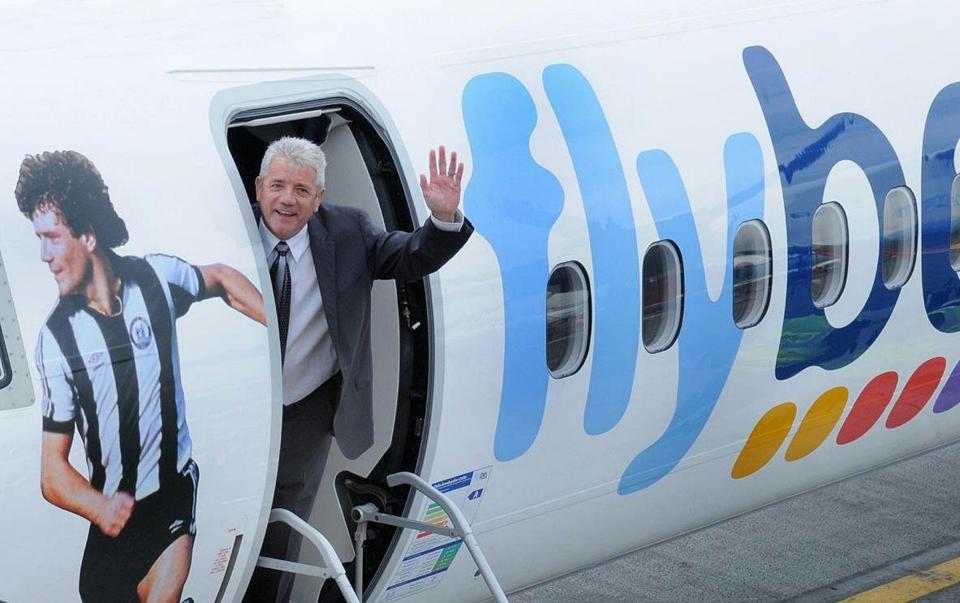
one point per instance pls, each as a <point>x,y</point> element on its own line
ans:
<point>323,250</point>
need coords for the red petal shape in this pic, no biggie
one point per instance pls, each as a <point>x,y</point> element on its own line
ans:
<point>868,408</point>
<point>917,392</point>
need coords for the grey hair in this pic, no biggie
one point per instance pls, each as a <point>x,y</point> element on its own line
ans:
<point>298,151</point>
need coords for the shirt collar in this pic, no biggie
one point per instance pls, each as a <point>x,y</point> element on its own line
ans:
<point>298,243</point>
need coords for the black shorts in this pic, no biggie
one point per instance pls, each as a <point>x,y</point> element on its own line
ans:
<point>113,567</point>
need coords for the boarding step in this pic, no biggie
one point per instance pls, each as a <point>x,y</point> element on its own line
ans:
<point>459,528</point>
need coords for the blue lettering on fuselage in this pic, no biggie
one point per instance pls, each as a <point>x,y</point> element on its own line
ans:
<point>707,324</point>
<point>515,202</point>
<point>613,245</point>
<point>941,287</point>
<point>805,157</point>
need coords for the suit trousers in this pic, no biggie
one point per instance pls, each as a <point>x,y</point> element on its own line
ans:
<point>304,446</point>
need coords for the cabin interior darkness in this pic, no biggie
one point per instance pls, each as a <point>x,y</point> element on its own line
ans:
<point>248,137</point>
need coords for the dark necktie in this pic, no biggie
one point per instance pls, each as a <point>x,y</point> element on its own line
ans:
<point>280,275</point>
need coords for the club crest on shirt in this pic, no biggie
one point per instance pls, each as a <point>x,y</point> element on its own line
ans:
<point>140,333</point>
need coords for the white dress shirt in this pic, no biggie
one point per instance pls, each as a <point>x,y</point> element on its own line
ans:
<point>310,358</point>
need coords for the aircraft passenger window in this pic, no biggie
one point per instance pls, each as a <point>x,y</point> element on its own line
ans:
<point>662,296</point>
<point>568,319</point>
<point>899,237</point>
<point>829,249</point>
<point>752,273</point>
<point>955,224</point>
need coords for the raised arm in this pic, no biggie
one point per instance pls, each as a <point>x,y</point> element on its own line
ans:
<point>220,280</point>
<point>63,486</point>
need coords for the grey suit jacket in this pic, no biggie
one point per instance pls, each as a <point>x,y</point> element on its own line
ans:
<point>349,252</point>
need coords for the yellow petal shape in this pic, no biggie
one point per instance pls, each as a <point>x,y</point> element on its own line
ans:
<point>765,439</point>
<point>817,424</point>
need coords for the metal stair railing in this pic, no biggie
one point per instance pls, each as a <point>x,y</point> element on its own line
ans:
<point>332,569</point>
<point>369,513</point>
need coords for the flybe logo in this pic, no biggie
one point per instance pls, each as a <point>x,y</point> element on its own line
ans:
<point>515,202</point>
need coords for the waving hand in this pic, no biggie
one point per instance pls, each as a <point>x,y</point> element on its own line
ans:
<point>442,191</point>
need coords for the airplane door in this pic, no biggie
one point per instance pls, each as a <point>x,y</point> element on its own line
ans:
<point>366,169</point>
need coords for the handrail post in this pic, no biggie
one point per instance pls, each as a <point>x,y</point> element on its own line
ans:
<point>460,525</point>
<point>333,569</point>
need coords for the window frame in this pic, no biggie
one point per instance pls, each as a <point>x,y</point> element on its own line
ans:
<point>903,273</point>
<point>845,265</point>
<point>569,368</point>
<point>666,343</point>
<point>759,312</point>
<point>954,222</point>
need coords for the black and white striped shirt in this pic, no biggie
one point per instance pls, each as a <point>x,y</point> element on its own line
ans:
<point>117,379</point>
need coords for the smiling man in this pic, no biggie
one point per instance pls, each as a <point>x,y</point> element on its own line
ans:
<point>108,359</point>
<point>324,259</point>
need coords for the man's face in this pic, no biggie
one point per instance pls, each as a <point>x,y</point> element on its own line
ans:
<point>288,197</point>
<point>69,257</point>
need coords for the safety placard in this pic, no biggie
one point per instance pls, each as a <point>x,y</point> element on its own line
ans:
<point>430,555</point>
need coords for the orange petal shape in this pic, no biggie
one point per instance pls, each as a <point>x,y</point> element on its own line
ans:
<point>917,392</point>
<point>818,423</point>
<point>766,438</point>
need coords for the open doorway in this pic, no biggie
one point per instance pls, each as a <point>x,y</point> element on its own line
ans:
<point>362,172</point>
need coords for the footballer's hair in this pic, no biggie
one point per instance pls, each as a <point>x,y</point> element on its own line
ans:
<point>70,184</point>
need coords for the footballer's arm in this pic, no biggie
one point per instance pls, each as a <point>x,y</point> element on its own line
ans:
<point>63,486</point>
<point>220,280</point>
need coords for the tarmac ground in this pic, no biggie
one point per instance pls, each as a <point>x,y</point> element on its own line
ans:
<point>878,536</point>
